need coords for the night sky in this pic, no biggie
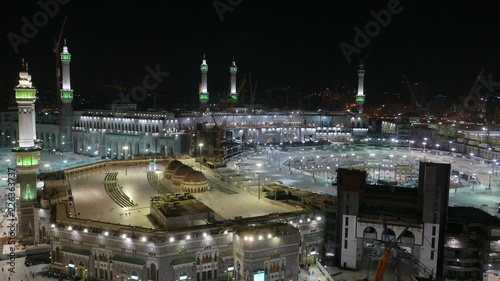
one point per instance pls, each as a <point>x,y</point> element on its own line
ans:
<point>296,43</point>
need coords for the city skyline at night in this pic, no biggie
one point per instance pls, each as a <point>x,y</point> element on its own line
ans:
<point>282,44</point>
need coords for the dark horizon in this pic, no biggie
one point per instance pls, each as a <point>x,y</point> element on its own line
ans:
<point>281,43</point>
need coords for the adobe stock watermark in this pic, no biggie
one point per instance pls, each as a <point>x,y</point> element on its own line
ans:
<point>149,83</point>
<point>228,6</point>
<point>472,103</point>
<point>30,29</point>
<point>11,218</point>
<point>372,29</point>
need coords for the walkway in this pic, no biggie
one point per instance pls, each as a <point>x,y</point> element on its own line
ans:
<point>157,185</point>
<point>115,191</point>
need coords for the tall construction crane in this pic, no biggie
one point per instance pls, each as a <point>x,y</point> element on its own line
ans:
<point>241,89</point>
<point>253,89</point>
<point>57,51</point>
<point>218,153</point>
<point>411,89</point>
<point>118,85</point>
<point>479,76</point>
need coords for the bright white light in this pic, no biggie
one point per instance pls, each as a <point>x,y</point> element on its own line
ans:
<point>318,218</point>
<point>143,239</point>
<point>172,239</point>
<point>70,228</point>
<point>188,237</point>
<point>204,234</point>
<point>269,236</point>
<point>85,230</point>
<point>124,236</point>
<point>261,237</point>
<point>106,233</point>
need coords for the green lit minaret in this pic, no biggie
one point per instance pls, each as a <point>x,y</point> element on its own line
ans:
<point>233,70</point>
<point>360,97</point>
<point>66,99</point>
<point>203,86</point>
<point>27,154</point>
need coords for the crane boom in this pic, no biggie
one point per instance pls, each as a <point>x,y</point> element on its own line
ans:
<point>393,244</point>
<point>411,90</point>
<point>474,86</point>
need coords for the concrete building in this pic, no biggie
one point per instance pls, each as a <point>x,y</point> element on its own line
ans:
<point>360,206</point>
<point>268,250</point>
<point>237,249</point>
<point>472,244</point>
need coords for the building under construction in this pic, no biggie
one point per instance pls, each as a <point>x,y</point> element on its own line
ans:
<point>371,218</point>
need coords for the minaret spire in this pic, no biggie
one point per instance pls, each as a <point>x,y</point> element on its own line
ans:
<point>232,71</point>
<point>27,153</point>
<point>66,98</point>
<point>360,97</point>
<point>203,96</point>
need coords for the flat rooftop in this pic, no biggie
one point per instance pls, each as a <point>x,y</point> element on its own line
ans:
<point>127,202</point>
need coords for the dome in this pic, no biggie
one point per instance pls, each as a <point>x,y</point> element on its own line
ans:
<point>195,176</point>
<point>166,165</point>
<point>182,170</point>
<point>172,165</point>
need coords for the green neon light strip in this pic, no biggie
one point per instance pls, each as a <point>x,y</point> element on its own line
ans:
<point>233,69</point>
<point>203,96</point>
<point>25,94</point>
<point>234,96</point>
<point>204,67</point>
<point>66,94</point>
<point>360,98</point>
<point>26,160</point>
<point>65,57</point>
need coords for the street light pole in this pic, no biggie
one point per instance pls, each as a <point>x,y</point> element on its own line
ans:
<point>258,175</point>
<point>489,181</point>
<point>125,157</point>
<point>201,148</point>
<point>258,191</point>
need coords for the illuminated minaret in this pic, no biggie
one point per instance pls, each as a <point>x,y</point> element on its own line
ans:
<point>66,98</point>
<point>204,87</point>
<point>360,97</point>
<point>233,70</point>
<point>27,154</point>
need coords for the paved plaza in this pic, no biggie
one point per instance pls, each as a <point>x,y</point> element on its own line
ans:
<point>272,167</point>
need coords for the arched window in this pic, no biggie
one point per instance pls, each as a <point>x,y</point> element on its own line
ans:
<point>153,276</point>
<point>58,256</point>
